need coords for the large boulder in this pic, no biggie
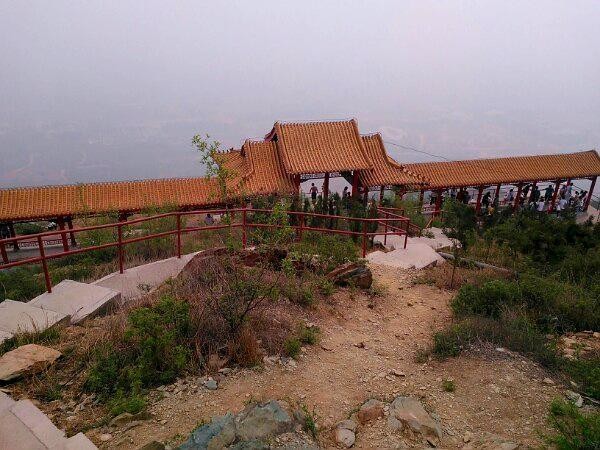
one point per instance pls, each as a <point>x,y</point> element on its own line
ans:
<point>352,273</point>
<point>410,412</point>
<point>26,359</point>
<point>263,420</point>
<point>217,434</point>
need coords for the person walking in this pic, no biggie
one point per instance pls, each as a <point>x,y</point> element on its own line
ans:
<point>313,192</point>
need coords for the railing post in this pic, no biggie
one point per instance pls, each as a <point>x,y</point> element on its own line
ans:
<point>301,227</point>
<point>178,235</point>
<point>120,241</point>
<point>364,239</point>
<point>4,254</point>
<point>44,264</point>
<point>385,229</point>
<point>244,238</point>
<point>406,234</point>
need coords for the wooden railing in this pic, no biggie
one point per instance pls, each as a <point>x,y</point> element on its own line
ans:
<point>393,223</point>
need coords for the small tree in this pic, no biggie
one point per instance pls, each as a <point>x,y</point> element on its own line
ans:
<point>459,226</point>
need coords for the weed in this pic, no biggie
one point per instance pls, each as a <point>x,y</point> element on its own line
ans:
<point>310,421</point>
<point>574,430</point>
<point>448,385</point>
<point>46,337</point>
<point>326,287</point>
<point>292,346</point>
<point>308,335</point>
<point>586,373</point>
<point>132,404</point>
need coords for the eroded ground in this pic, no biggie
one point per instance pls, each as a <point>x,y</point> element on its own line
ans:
<point>367,350</point>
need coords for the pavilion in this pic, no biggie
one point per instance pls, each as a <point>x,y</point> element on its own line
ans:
<point>290,153</point>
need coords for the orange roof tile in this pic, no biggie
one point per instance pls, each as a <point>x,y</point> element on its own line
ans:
<point>266,174</point>
<point>67,200</point>
<point>385,170</point>
<point>315,147</point>
<point>510,170</point>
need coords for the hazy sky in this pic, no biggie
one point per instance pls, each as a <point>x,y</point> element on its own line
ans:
<point>113,90</point>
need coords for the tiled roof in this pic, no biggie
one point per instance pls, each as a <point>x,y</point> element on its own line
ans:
<point>54,201</point>
<point>315,147</point>
<point>478,172</point>
<point>385,170</point>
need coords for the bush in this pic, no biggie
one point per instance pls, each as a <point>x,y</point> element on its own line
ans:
<point>308,335</point>
<point>292,346</point>
<point>333,250</point>
<point>586,373</point>
<point>153,351</point>
<point>574,430</point>
<point>487,300</point>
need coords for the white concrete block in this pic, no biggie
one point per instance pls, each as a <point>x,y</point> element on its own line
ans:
<point>14,434</point>
<point>78,300</point>
<point>79,442</point>
<point>6,402</point>
<point>38,424</point>
<point>18,317</point>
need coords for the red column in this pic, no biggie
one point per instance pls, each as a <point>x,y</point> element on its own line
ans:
<point>421,195</point>
<point>381,191</point>
<point>63,236</point>
<point>496,199</point>
<point>355,184</point>
<point>479,194</point>
<point>589,195</point>
<point>326,190</point>
<point>297,184</point>
<point>553,202</point>
<point>518,196</point>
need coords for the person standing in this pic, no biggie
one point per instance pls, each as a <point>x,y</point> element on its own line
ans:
<point>313,192</point>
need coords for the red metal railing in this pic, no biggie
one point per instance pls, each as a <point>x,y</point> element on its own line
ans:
<point>389,222</point>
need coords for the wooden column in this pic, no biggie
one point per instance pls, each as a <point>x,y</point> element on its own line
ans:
<point>72,235</point>
<point>553,202</point>
<point>63,237</point>
<point>326,189</point>
<point>421,195</point>
<point>478,205</point>
<point>355,184</point>
<point>297,184</point>
<point>11,231</point>
<point>518,196</point>
<point>589,195</point>
<point>381,192</point>
<point>496,199</point>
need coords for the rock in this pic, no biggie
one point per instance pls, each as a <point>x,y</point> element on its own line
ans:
<point>211,384</point>
<point>370,410</point>
<point>154,445</point>
<point>393,423</point>
<point>574,398</point>
<point>249,445</point>
<point>548,381</point>
<point>347,425</point>
<point>397,373</point>
<point>105,437</point>
<point>125,418</point>
<point>410,412</point>
<point>217,434</point>
<point>25,360</point>
<point>263,420</point>
<point>353,273</point>
<point>468,437</point>
<point>345,437</point>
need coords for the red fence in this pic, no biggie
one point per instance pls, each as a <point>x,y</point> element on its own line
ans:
<point>393,223</point>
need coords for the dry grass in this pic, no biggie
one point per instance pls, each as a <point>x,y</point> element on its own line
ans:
<point>440,276</point>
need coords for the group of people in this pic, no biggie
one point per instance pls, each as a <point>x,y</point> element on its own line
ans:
<point>537,199</point>
<point>314,192</point>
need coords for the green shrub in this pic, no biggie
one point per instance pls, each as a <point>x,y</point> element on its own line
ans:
<point>333,250</point>
<point>48,336</point>
<point>574,430</point>
<point>292,346</point>
<point>153,351</point>
<point>120,404</point>
<point>448,385</point>
<point>308,335</point>
<point>487,300</point>
<point>586,373</point>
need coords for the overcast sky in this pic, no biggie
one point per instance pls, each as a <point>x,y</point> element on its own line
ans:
<point>113,90</point>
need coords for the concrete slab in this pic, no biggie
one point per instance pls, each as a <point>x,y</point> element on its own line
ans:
<point>79,442</point>
<point>78,300</point>
<point>6,402</point>
<point>14,434</point>
<point>18,317</point>
<point>439,240</point>
<point>38,424</point>
<point>415,256</point>
<point>137,281</point>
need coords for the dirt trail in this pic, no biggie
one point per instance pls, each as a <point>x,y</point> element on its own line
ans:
<point>496,392</point>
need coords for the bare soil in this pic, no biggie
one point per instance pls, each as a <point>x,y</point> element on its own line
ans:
<point>364,338</point>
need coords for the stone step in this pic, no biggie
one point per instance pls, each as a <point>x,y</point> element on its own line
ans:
<point>137,281</point>
<point>23,426</point>
<point>78,300</point>
<point>19,317</point>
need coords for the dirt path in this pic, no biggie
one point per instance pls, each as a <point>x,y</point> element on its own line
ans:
<point>496,392</point>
